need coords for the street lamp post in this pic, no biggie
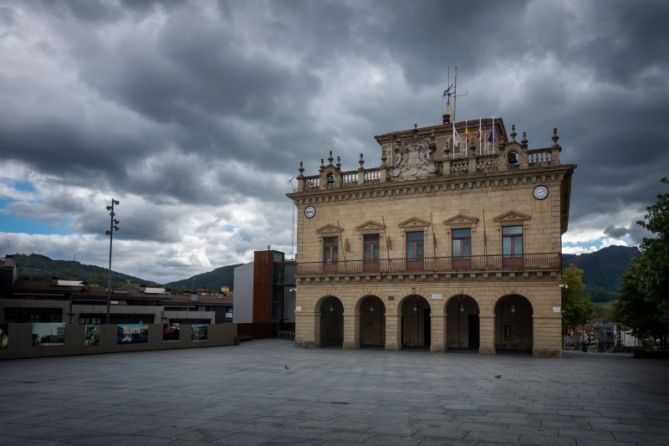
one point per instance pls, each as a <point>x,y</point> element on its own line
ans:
<point>113,227</point>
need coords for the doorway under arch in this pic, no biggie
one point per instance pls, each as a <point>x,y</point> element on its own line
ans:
<point>332,322</point>
<point>462,323</point>
<point>513,324</point>
<point>372,325</point>
<point>415,327</point>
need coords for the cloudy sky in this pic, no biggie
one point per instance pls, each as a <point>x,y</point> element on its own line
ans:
<point>196,114</point>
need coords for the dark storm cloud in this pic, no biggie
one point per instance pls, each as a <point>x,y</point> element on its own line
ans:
<point>181,88</point>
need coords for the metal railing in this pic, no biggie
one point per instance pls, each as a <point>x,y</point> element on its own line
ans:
<point>496,262</point>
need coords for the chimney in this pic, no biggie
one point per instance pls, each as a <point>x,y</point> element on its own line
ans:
<point>448,111</point>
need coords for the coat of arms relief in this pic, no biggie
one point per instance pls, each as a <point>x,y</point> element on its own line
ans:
<point>412,160</point>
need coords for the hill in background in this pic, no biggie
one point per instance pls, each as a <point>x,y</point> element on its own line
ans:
<point>213,280</point>
<point>39,267</point>
<point>603,270</point>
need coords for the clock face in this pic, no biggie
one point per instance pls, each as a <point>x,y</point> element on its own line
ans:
<point>540,192</point>
<point>309,212</point>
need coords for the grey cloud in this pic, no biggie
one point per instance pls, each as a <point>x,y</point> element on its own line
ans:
<point>189,89</point>
<point>615,232</point>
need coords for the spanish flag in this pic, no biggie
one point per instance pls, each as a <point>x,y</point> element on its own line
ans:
<point>468,136</point>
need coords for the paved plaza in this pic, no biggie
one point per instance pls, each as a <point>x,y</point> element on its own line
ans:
<point>270,392</point>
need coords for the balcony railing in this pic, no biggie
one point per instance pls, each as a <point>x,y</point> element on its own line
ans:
<point>433,264</point>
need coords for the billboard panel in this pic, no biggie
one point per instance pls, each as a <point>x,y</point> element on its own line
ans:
<point>171,332</point>
<point>92,335</point>
<point>47,334</point>
<point>132,334</point>
<point>199,332</point>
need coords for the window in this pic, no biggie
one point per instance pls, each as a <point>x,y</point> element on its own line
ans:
<point>462,242</point>
<point>414,250</point>
<point>512,246</point>
<point>330,253</point>
<point>370,254</point>
<point>461,248</point>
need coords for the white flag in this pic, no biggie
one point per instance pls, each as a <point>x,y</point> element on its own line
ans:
<point>456,140</point>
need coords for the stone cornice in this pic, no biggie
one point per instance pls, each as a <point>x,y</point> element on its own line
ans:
<point>371,226</point>
<point>329,229</point>
<point>450,183</point>
<point>504,276</point>
<point>511,216</point>
<point>413,223</point>
<point>461,220</point>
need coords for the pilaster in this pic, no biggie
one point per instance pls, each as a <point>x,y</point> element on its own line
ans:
<point>393,332</point>
<point>351,331</point>
<point>438,335</point>
<point>487,335</point>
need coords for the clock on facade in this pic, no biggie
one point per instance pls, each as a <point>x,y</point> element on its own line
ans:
<point>540,192</point>
<point>309,212</point>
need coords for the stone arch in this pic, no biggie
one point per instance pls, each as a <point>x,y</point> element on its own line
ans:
<point>331,330</point>
<point>462,323</point>
<point>513,324</point>
<point>372,323</point>
<point>415,322</point>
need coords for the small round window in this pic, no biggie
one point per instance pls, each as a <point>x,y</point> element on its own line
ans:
<point>513,157</point>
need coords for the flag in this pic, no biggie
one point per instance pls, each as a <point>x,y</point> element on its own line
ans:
<point>493,136</point>
<point>456,140</point>
<point>468,135</point>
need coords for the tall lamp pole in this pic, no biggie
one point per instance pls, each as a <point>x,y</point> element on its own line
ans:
<point>113,227</point>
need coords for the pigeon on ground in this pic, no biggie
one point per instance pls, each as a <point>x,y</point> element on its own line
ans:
<point>498,376</point>
<point>286,367</point>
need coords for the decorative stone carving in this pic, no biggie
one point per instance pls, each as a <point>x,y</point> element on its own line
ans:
<point>511,216</point>
<point>329,230</point>
<point>413,160</point>
<point>461,220</point>
<point>414,223</point>
<point>371,226</point>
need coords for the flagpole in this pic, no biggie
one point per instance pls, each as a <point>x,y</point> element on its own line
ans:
<point>480,138</point>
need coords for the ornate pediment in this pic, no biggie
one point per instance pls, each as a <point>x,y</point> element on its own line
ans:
<point>414,222</point>
<point>511,216</point>
<point>461,220</point>
<point>412,160</point>
<point>330,230</point>
<point>371,226</point>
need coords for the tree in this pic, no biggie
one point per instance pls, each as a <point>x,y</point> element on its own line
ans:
<point>577,306</point>
<point>643,304</point>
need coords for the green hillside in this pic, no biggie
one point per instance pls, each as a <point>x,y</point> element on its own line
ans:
<point>39,267</point>
<point>212,280</point>
<point>603,270</point>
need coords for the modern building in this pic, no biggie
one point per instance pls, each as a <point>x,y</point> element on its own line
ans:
<point>454,242</point>
<point>265,296</point>
<point>75,302</point>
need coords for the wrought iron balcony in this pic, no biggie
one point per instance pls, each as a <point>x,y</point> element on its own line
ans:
<point>491,263</point>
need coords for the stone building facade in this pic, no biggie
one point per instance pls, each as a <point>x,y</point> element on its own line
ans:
<point>452,243</point>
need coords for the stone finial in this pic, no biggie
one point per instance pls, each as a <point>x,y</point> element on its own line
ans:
<point>524,141</point>
<point>555,137</point>
<point>513,133</point>
<point>338,162</point>
<point>330,158</point>
<point>301,169</point>
<point>361,161</point>
<point>322,163</point>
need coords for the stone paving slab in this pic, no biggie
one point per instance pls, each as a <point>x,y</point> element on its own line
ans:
<point>270,392</point>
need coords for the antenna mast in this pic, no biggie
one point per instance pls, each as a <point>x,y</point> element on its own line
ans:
<point>455,91</point>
